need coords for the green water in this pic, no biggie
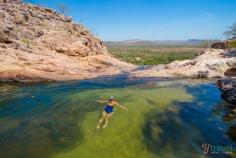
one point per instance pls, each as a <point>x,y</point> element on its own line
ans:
<point>165,119</point>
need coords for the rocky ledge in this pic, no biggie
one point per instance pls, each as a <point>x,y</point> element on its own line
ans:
<point>228,90</point>
<point>38,44</point>
<point>212,63</point>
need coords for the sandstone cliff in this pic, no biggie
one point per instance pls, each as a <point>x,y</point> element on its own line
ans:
<point>38,43</point>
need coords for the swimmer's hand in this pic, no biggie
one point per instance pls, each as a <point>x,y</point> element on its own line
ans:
<point>120,106</point>
<point>125,108</point>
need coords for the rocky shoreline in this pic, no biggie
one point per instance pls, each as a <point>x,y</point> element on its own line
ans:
<point>212,63</point>
<point>39,44</point>
<point>228,91</point>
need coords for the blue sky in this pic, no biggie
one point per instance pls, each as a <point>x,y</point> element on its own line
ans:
<point>151,19</point>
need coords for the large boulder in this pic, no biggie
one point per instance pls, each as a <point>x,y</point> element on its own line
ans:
<point>231,72</point>
<point>220,45</point>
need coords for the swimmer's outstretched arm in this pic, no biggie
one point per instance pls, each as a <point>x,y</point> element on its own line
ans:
<point>101,101</point>
<point>120,106</point>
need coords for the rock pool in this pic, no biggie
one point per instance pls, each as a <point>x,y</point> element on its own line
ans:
<point>166,118</point>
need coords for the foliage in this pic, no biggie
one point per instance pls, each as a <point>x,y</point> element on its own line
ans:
<point>206,44</point>
<point>232,44</point>
<point>153,55</point>
<point>231,33</point>
<point>26,42</point>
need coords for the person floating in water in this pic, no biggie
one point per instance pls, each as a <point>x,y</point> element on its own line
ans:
<point>108,110</point>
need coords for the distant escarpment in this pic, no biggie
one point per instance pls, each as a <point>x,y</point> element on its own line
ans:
<point>38,44</point>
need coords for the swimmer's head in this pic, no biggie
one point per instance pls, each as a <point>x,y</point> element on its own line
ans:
<point>111,98</point>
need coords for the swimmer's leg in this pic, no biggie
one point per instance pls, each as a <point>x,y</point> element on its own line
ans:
<point>104,115</point>
<point>106,120</point>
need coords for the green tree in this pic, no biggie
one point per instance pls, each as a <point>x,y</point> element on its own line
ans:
<point>231,33</point>
<point>206,44</point>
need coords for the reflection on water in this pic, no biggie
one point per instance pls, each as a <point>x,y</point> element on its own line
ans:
<point>165,119</point>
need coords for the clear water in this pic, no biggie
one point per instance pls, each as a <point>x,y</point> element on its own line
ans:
<point>169,119</point>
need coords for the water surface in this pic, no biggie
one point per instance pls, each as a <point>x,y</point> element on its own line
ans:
<point>165,119</point>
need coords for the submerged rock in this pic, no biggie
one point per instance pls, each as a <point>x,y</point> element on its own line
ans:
<point>228,90</point>
<point>232,132</point>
